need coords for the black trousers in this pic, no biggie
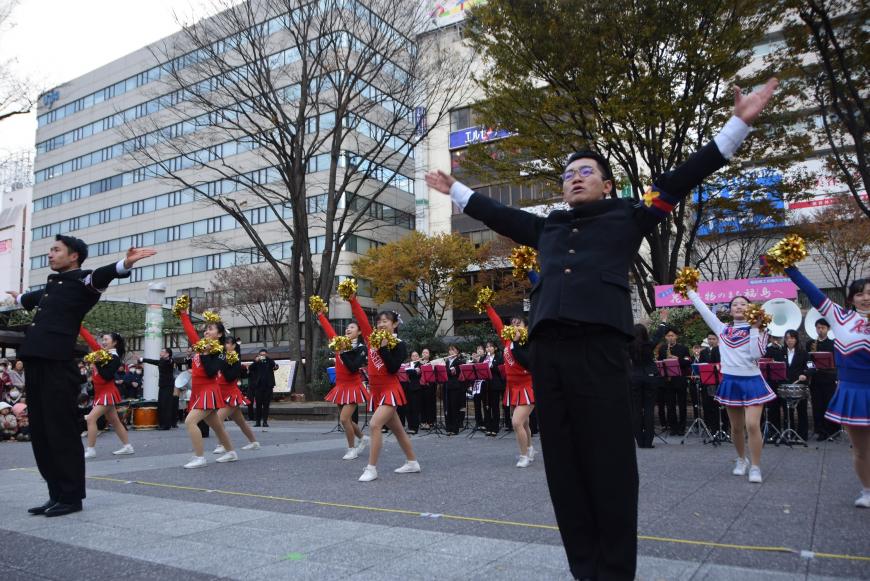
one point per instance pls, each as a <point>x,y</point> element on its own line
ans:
<point>492,409</point>
<point>675,401</point>
<point>643,399</point>
<point>821,393</point>
<point>176,413</point>
<point>53,389</point>
<point>264,398</point>
<point>166,407</point>
<point>454,405</point>
<point>412,409</point>
<point>478,410</point>
<point>712,417</point>
<point>583,404</point>
<point>427,404</point>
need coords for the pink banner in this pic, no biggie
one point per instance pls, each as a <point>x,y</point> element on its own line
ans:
<point>756,290</point>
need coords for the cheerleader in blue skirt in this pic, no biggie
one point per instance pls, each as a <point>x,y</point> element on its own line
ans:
<point>743,390</point>
<point>850,406</point>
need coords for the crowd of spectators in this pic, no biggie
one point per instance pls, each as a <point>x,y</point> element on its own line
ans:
<point>14,424</point>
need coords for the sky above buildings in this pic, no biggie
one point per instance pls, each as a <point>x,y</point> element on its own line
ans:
<point>54,41</point>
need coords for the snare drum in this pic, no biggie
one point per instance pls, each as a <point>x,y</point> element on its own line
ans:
<point>793,391</point>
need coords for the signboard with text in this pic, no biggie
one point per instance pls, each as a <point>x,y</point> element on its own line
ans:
<point>472,135</point>
<point>445,12</point>
<point>722,291</point>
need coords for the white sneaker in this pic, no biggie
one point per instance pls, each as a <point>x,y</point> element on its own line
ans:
<point>755,475</point>
<point>531,453</point>
<point>369,474</point>
<point>230,456</point>
<point>409,467</point>
<point>90,452</point>
<point>220,450</point>
<point>363,442</point>
<point>740,467</point>
<point>523,462</point>
<point>351,454</point>
<point>255,445</point>
<point>124,450</point>
<point>197,462</point>
<point>863,501</point>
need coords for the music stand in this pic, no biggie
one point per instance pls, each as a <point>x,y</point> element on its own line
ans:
<point>474,372</point>
<point>699,419</point>
<point>667,368</point>
<point>709,374</point>
<point>436,376</point>
<point>773,372</point>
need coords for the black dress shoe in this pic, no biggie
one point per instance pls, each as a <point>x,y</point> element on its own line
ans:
<point>61,509</point>
<point>42,508</point>
<point>257,425</point>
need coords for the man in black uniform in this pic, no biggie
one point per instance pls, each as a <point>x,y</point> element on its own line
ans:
<point>167,407</point>
<point>823,383</point>
<point>675,388</point>
<point>53,378</point>
<point>580,323</point>
<point>262,373</point>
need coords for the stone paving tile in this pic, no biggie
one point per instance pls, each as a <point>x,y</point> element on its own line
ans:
<point>686,492</point>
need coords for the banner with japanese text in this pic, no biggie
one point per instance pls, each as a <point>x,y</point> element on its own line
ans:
<point>722,291</point>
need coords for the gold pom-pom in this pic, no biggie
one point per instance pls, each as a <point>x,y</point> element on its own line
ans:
<point>755,315</point>
<point>99,357</point>
<point>340,343</point>
<point>378,336</point>
<point>232,357</point>
<point>687,279</point>
<point>484,298</point>
<point>347,288</point>
<point>208,346</point>
<point>182,303</point>
<point>524,259</point>
<point>508,332</point>
<point>786,253</point>
<point>317,305</point>
<point>211,317</point>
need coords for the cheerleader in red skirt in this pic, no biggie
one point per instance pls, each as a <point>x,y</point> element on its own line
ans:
<point>518,393</point>
<point>232,396</point>
<point>385,358</point>
<point>205,394</point>
<point>349,391</point>
<point>105,361</point>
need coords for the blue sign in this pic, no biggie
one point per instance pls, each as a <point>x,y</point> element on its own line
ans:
<point>473,135</point>
<point>50,97</point>
<point>737,196</point>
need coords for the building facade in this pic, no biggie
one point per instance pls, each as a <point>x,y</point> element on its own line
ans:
<point>89,183</point>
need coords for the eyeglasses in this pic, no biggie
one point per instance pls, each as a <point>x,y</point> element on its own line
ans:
<point>584,171</point>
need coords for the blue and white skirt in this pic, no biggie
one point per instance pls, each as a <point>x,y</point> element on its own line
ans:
<point>743,391</point>
<point>850,405</point>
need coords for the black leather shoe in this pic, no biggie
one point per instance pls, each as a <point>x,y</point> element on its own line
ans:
<point>42,508</point>
<point>61,509</point>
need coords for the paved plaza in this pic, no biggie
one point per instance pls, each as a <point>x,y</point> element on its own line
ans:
<point>294,510</point>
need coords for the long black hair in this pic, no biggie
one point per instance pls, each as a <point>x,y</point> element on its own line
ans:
<point>797,339</point>
<point>640,346</point>
<point>856,287</point>
<point>120,345</point>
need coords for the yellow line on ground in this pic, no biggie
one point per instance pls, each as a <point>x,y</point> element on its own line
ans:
<point>711,544</point>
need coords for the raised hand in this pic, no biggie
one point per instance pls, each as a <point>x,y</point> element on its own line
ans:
<point>748,107</point>
<point>134,255</point>
<point>440,181</point>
